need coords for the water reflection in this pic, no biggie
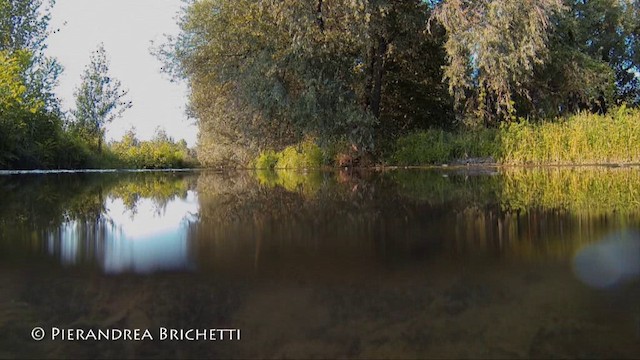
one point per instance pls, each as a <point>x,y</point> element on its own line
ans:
<point>399,264</point>
<point>130,222</point>
<point>149,239</point>
<point>147,222</point>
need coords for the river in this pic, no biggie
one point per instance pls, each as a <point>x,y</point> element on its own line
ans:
<point>441,263</point>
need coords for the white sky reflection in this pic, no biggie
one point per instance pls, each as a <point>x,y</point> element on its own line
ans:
<point>146,240</point>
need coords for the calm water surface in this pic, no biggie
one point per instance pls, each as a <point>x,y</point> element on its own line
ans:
<point>403,264</point>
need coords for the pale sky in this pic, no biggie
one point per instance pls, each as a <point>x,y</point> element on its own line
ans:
<point>126,27</point>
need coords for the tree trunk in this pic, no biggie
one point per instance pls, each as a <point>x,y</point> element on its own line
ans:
<point>319,17</point>
<point>368,86</point>
<point>100,137</point>
<point>377,72</point>
<point>373,85</point>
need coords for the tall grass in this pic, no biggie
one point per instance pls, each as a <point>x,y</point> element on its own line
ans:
<point>579,139</point>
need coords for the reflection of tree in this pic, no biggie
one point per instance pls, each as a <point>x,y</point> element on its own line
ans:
<point>43,209</point>
<point>396,216</point>
<point>530,212</point>
<point>241,214</point>
<point>34,204</point>
<point>303,182</point>
<point>403,215</point>
<point>160,189</point>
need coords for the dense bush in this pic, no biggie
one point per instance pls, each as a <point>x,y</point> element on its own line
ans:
<point>306,155</point>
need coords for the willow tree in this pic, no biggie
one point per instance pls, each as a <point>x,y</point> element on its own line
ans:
<point>541,58</point>
<point>493,47</point>
<point>267,73</point>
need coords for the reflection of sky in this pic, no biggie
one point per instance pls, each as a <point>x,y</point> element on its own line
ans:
<point>146,240</point>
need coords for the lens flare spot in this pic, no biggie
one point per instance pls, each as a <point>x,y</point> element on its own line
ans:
<point>609,262</point>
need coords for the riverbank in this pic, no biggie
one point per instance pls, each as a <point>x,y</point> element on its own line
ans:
<point>581,139</point>
<point>162,152</point>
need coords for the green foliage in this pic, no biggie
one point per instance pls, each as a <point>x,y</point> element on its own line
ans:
<point>540,58</point>
<point>586,191</point>
<point>579,139</point>
<point>99,100</point>
<point>607,32</point>
<point>162,152</point>
<point>266,160</point>
<point>439,146</point>
<point>23,24</point>
<point>266,74</point>
<point>306,155</point>
<point>13,88</point>
<point>425,147</point>
<point>32,129</point>
<point>493,47</point>
<point>34,132</point>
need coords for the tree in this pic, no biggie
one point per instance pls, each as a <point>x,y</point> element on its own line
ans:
<point>31,125</point>
<point>541,58</point>
<point>492,48</point>
<point>23,24</point>
<point>412,93</point>
<point>23,31</point>
<point>601,38</point>
<point>267,74</point>
<point>264,74</point>
<point>100,99</point>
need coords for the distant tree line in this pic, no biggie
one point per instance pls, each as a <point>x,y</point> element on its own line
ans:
<point>35,132</point>
<point>265,74</point>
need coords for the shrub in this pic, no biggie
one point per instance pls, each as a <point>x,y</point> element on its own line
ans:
<point>306,155</point>
<point>266,160</point>
<point>439,146</point>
